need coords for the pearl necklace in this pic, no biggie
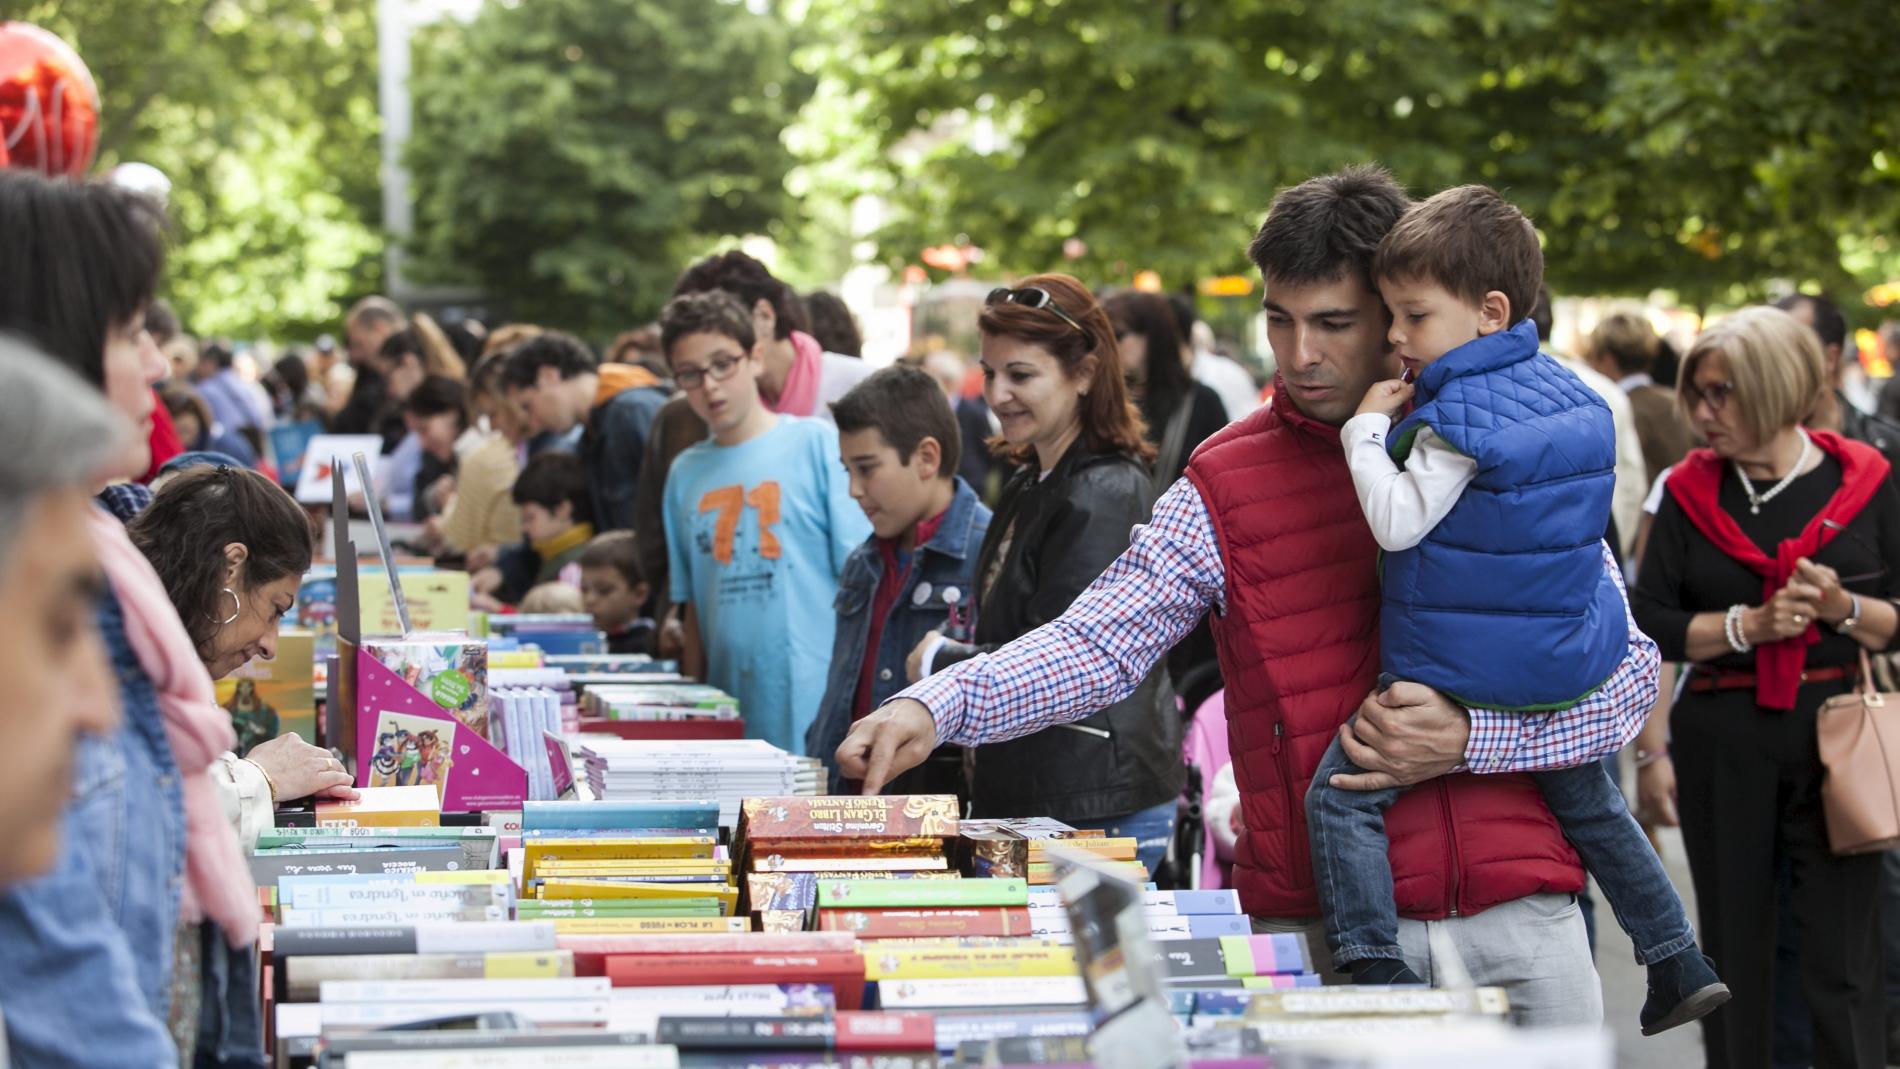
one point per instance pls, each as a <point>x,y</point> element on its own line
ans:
<point>1756,501</point>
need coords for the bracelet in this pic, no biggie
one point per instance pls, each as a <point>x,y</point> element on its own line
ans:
<point>1646,758</point>
<point>267,779</point>
<point>1732,630</point>
<point>1853,615</point>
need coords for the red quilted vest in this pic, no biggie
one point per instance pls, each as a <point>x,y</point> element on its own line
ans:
<point>1299,650</point>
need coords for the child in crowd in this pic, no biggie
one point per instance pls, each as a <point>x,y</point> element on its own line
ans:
<point>614,592</point>
<point>555,597</point>
<point>1490,500</point>
<point>759,521</point>
<point>557,518</point>
<point>916,573</point>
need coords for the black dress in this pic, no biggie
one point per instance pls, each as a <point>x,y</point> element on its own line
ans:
<point>1748,780</point>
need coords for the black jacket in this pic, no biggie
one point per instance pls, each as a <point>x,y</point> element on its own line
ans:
<point>1878,431</point>
<point>1054,537</point>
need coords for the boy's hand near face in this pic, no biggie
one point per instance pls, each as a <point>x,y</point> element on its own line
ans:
<point>1387,398</point>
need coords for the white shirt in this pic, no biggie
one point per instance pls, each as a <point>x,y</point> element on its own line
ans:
<point>1630,383</point>
<point>1238,395</point>
<point>836,376</point>
<point>1632,476</point>
<point>1402,505</point>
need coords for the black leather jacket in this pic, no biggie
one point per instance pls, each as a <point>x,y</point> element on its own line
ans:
<point>1054,537</point>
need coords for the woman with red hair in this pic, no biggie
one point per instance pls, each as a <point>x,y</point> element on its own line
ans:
<point>1052,375</point>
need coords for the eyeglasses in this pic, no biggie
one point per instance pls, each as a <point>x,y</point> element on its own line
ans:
<point>1715,393</point>
<point>1037,297</point>
<point>1863,543</point>
<point>720,370</point>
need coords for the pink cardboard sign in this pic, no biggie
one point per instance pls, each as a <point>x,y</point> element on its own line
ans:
<point>405,739</point>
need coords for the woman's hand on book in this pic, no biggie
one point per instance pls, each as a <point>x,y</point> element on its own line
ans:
<point>892,740</point>
<point>299,770</point>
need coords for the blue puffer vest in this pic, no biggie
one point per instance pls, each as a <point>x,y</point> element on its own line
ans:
<point>1506,603</point>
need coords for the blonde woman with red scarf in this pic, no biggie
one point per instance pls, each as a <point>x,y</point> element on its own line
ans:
<point>1769,570</point>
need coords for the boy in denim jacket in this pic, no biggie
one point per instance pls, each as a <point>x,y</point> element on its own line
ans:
<point>915,576</point>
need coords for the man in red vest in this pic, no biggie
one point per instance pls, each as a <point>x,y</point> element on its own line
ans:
<point>1265,531</point>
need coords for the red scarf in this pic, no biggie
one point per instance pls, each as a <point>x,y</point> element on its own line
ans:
<point>1696,483</point>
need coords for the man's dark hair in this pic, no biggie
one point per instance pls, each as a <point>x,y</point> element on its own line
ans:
<point>708,312</point>
<point>617,550</point>
<point>1325,227</point>
<point>833,325</point>
<point>184,530</point>
<point>563,352</point>
<point>551,478</point>
<point>1471,241</point>
<point>1185,316</point>
<point>906,406</point>
<point>76,260</point>
<point>218,354</point>
<point>748,281</point>
<point>1829,323</point>
<point>436,395</point>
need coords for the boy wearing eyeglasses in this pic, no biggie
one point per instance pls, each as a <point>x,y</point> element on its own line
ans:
<point>759,522</point>
<point>1489,500</point>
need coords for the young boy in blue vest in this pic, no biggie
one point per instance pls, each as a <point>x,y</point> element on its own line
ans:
<point>1490,499</point>
<point>914,577</point>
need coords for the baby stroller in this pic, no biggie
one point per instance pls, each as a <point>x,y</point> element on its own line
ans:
<point>1191,861</point>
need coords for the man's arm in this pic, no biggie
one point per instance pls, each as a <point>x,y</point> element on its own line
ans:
<point>1591,730</point>
<point>1402,505</point>
<point>1091,656</point>
<point>1411,733</point>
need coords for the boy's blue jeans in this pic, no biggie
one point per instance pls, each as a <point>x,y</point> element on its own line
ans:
<point>1354,875</point>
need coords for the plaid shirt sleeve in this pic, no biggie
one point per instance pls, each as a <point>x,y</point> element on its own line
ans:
<point>1595,728</point>
<point>1099,650</point>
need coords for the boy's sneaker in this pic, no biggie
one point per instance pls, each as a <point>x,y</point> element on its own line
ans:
<point>1380,972</point>
<point>1682,988</point>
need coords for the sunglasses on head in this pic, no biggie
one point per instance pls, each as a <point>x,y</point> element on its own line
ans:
<point>1037,297</point>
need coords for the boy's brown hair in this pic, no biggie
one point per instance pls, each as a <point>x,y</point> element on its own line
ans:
<point>616,550</point>
<point>1471,241</point>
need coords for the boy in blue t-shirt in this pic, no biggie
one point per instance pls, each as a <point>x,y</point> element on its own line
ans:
<point>1490,500</point>
<point>759,522</point>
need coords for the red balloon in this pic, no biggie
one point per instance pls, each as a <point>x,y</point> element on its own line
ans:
<point>49,107</point>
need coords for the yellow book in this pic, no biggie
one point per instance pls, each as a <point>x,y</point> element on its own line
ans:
<point>513,658</point>
<point>437,601</point>
<point>1118,849</point>
<point>678,865</point>
<point>384,807</point>
<point>727,894</point>
<point>648,925</point>
<point>890,962</point>
<point>683,846</point>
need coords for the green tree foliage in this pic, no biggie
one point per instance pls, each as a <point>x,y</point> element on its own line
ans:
<point>570,155</point>
<point>263,115</point>
<point>1703,146</point>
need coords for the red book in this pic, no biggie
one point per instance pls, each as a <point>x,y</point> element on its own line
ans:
<point>592,951</point>
<point>864,1031</point>
<point>665,729</point>
<point>844,972</point>
<point>926,923</point>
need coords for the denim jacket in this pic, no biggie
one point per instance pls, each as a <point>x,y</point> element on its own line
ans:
<point>947,562</point>
<point>86,951</point>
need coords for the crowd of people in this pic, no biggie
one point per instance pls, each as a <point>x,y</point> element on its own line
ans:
<point>1402,577</point>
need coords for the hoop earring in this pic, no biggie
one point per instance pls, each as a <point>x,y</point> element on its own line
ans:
<point>237,608</point>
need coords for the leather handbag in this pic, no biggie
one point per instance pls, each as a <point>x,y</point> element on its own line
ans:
<point>1859,733</point>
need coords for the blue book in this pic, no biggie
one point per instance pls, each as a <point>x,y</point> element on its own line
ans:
<point>1215,925</point>
<point>649,818</point>
<point>956,1028</point>
<point>287,444</point>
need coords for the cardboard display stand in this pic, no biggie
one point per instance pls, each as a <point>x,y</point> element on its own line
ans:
<point>391,732</point>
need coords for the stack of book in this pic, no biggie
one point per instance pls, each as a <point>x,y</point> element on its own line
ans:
<point>626,868</point>
<point>518,722</point>
<point>1016,847</point>
<point>635,707</point>
<point>788,847</point>
<point>725,771</point>
<point>1171,915</point>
